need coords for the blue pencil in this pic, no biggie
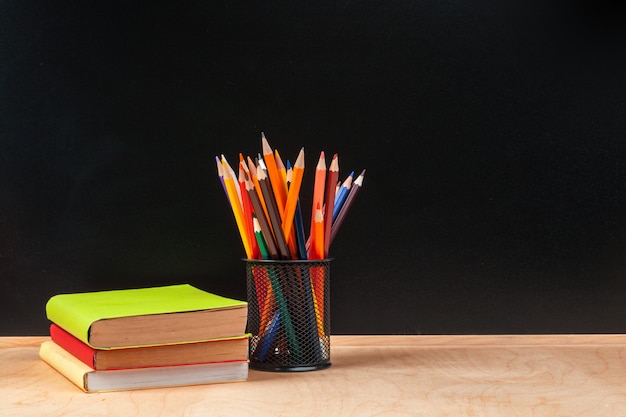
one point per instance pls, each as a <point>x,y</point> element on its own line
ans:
<point>342,194</point>
<point>269,336</point>
<point>300,237</point>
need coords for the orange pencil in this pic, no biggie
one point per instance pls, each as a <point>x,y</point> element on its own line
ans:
<point>280,166</point>
<point>318,192</point>
<point>292,197</point>
<point>291,236</point>
<point>317,245</point>
<point>278,185</point>
<point>333,175</point>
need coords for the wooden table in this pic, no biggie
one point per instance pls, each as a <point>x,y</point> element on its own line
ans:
<point>526,376</point>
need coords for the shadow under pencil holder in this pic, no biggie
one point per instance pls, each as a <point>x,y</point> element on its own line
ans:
<point>288,314</point>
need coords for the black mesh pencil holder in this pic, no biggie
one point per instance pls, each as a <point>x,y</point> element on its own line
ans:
<point>288,314</point>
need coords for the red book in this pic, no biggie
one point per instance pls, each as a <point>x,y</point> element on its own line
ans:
<point>218,350</point>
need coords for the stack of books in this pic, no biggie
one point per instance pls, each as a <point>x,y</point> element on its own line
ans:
<point>146,338</point>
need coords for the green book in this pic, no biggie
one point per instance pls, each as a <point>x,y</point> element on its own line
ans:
<point>147,316</point>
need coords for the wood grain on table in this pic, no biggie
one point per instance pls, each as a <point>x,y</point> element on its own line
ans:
<point>529,376</point>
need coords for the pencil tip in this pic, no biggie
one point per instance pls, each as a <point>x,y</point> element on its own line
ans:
<point>359,180</point>
<point>334,164</point>
<point>321,163</point>
<point>267,150</point>
<point>300,159</point>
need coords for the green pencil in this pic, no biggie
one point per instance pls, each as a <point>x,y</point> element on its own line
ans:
<point>259,238</point>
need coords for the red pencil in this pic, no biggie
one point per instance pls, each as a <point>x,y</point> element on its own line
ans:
<point>246,206</point>
<point>329,198</point>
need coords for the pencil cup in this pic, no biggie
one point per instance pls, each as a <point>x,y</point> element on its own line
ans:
<point>288,314</point>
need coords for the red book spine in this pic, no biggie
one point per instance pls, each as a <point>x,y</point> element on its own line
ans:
<point>74,346</point>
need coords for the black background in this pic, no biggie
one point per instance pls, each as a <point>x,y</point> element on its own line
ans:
<point>492,133</point>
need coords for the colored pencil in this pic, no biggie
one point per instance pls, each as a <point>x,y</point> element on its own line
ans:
<point>230,172</point>
<point>316,251</point>
<point>278,185</point>
<point>220,173</point>
<point>292,196</point>
<point>258,233</point>
<point>280,166</point>
<point>342,194</point>
<point>283,307</point>
<point>329,199</point>
<point>316,277</point>
<point>261,164</point>
<point>252,170</point>
<point>298,225</point>
<point>268,336</point>
<point>300,234</point>
<point>247,212</point>
<point>310,332</point>
<point>356,186</point>
<point>291,237</point>
<point>235,203</point>
<point>266,228</point>
<point>275,222</point>
<point>318,194</point>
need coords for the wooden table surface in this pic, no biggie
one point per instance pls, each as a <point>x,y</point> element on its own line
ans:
<point>526,376</point>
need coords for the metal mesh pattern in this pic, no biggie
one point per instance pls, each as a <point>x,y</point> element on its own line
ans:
<point>288,314</point>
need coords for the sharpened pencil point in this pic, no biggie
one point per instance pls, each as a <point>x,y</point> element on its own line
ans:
<point>267,149</point>
<point>300,160</point>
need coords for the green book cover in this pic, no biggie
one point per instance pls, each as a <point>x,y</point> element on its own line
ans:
<point>76,312</point>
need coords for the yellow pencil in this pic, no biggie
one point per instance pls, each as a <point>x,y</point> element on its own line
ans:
<point>235,203</point>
